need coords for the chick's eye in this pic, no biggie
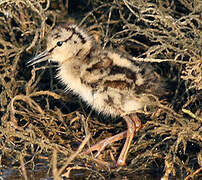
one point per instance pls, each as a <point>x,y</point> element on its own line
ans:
<point>59,43</point>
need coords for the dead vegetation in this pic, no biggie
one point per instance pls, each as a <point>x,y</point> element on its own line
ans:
<point>42,126</point>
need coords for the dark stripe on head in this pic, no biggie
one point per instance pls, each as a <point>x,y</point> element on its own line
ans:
<point>52,49</point>
<point>56,35</point>
<point>73,29</point>
<point>70,37</point>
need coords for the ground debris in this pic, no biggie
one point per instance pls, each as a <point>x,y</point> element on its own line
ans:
<point>43,126</point>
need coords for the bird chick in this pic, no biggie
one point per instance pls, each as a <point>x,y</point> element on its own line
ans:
<point>109,81</point>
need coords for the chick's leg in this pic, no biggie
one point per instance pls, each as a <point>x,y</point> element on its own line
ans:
<point>133,124</point>
<point>100,146</point>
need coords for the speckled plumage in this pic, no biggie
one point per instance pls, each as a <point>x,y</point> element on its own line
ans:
<point>107,80</point>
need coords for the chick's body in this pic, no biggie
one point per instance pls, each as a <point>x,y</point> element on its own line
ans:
<point>111,82</point>
<point>106,80</point>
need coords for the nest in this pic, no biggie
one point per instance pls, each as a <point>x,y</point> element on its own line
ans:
<point>43,129</point>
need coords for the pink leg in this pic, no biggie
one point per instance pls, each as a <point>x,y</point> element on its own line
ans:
<point>100,146</point>
<point>133,124</point>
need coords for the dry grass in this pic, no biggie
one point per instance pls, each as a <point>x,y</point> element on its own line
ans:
<point>41,125</point>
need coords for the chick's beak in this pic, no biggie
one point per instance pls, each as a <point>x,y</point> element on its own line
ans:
<point>44,56</point>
